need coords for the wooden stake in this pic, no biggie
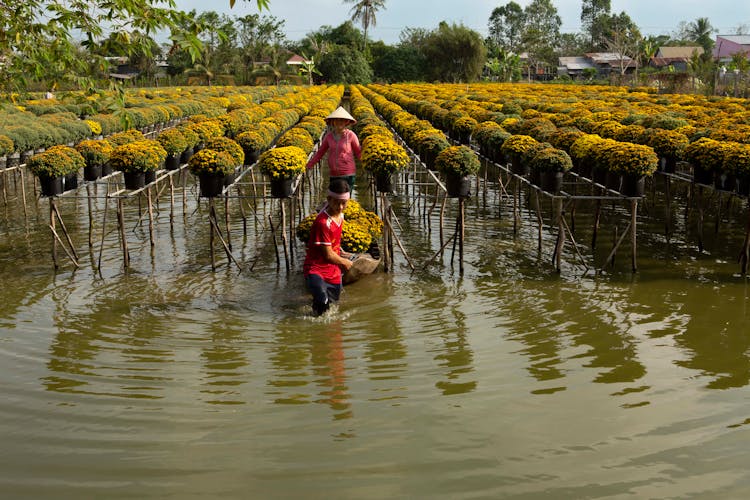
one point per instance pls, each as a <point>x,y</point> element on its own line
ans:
<point>150,217</point>
<point>211,234</point>
<point>123,239</point>
<point>633,225</point>
<point>52,226</point>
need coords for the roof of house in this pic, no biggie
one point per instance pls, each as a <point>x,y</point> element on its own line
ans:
<point>295,59</point>
<point>678,52</point>
<point>738,39</point>
<point>576,63</point>
<point>611,59</point>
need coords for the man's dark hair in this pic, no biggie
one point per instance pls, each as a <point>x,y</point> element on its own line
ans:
<point>339,186</point>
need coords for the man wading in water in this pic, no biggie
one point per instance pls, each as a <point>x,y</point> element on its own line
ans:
<point>324,258</point>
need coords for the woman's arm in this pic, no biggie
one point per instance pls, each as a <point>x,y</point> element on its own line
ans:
<point>319,153</point>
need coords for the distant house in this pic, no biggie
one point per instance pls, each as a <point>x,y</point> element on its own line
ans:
<point>573,66</point>
<point>605,63</point>
<point>728,45</point>
<point>608,62</point>
<point>676,57</point>
<point>121,68</point>
<point>296,60</point>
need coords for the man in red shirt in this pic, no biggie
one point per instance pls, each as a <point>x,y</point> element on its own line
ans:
<point>324,258</point>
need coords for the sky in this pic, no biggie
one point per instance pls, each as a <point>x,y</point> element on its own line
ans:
<point>653,17</point>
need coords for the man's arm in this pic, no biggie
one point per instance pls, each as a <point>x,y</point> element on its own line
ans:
<point>333,258</point>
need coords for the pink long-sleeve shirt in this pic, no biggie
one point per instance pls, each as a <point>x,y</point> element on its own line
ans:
<point>341,153</point>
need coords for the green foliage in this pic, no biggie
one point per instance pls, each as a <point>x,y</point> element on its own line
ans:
<point>457,160</point>
<point>344,64</point>
<point>456,53</point>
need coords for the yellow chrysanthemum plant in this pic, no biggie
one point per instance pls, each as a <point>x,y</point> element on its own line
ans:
<point>57,161</point>
<point>382,156</point>
<point>138,156</point>
<point>360,228</point>
<point>285,162</point>
<point>210,162</point>
<point>95,151</point>
<point>515,147</point>
<point>632,159</point>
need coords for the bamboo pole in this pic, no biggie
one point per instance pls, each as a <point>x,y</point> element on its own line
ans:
<point>461,205</point>
<point>91,216</point>
<point>123,239</point>
<point>227,222</point>
<point>283,234</point>
<point>65,231</point>
<point>150,217</point>
<point>633,236</point>
<point>52,226</point>
<point>212,227</point>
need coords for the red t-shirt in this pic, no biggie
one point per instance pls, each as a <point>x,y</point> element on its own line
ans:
<point>324,232</point>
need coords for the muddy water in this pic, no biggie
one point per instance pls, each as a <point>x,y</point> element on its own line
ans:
<point>170,380</point>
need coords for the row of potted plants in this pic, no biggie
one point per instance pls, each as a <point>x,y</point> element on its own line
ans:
<point>138,158</point>
<point>667,124</point>
<point>457,163</point>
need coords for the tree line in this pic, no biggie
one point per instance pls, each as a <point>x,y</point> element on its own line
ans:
<point>53,44</point>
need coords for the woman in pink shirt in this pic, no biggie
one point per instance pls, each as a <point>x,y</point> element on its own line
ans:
<point>342,146</point>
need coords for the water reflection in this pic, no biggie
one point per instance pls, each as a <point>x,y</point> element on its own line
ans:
<point>313,355</point>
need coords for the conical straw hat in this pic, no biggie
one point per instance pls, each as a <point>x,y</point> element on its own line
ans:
<point>341,113</point>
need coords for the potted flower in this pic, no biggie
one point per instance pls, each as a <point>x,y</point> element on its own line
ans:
<point>296,136</point>
<point>137,158</point>
<point>211,167</point>
<point>96,152</point>
<point>76,162</point>
<point>514,147</point>
<point>462,129</point>
<point>481,133</point>
<point>174,144</point>
<point>283,165</point>
<point>457,163</point>
<point>668,144</point>
<point>582,152</point>
<point>706,156</point>
<point>551,163</point>
<point>6,146</point>
<point>430,145</point>
<point>634,162</point>
<point>191,140</point>
<point>738,159</point>
<point>382,157</point>
<point>493,143</point>
<point>233,149</point>
<point>50,167</point>
<point>253,144</point>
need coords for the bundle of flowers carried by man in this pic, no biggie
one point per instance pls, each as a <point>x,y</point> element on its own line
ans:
<point>360,228</point>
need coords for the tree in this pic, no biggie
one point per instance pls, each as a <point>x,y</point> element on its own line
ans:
<point>364,12</point>
<point>276,69</point>
<point>699,31</point>
<point>400,63</point>
<point>36,35</point>
<point>343,64</point>
<point>542,29</point>
<point>506,26</point>
<point>456,53</point>
<point>255,35</point>
<point>624,40</point>
<point>309,68</point>
<point>592,12</point>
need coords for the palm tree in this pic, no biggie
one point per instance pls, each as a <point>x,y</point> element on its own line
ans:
<point>276,69</point>
<point>699,31</point>
<point>364,12</point>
